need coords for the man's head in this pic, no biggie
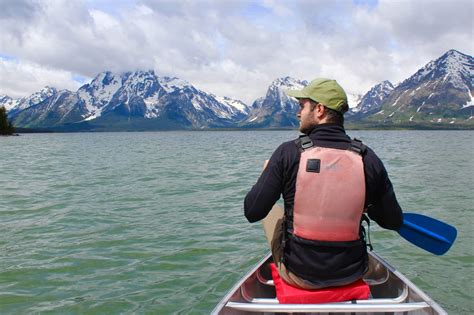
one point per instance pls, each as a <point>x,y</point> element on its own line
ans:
<point>322,101</point>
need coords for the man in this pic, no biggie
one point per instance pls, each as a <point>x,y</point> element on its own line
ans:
<point>327,181</point>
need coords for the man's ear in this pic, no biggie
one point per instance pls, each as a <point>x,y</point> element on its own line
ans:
<point>320,111</point>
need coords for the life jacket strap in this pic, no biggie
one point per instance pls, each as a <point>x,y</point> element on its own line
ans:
<point>304,142</point>
<point>287,227</point>
<point>283,240</point>
<point>365,233</point>
<point>358,147</point>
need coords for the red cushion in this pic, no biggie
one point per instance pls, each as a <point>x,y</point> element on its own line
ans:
<point>287,294</point>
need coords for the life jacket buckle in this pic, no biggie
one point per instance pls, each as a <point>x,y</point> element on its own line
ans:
<point>368,241</point>
<point>304,142</point>
<point>357,146</point>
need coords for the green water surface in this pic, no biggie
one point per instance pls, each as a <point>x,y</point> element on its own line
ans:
<point>152,223</point>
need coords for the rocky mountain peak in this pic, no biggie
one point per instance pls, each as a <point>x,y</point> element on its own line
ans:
<point>6,101</point>
<point>438,93</point>
<point>138,76</point>
<point>171,84</point>
<point>140,83</point>
<point>381,90</point>
<point>4,98</point>
<point>9,103</point>
<point>386,85</point>
<point>372,100</point>
<point>441,91</point>
<point>16,105</point>
<point>43,94</point>
<point>136,95</point>
<point>277,91</point>
<point>453,67</point>
<point>288,83</point>
<point>276,109</point>
<point>105,78</point>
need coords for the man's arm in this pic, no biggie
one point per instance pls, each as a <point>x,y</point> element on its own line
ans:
<point>383,206</point>
<point>266,192</point>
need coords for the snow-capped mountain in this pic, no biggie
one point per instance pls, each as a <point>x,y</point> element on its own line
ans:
<point>7,102</point>
<point>236,106</point>
<point>15,105</point>
<point>99,93</point>
<point>276,109</point>
<point>134,100</point>
<point>372,101</point>
<point>63,107</point>
<point>440,92</point>
<point>147,95</point>
<point>452,68</point>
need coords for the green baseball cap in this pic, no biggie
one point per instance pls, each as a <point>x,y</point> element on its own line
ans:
<point>325,91</point>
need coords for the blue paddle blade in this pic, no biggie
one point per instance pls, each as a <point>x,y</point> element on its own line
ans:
<point>430,234</point>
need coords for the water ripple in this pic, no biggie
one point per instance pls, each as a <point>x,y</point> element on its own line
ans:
<point>153,222</point>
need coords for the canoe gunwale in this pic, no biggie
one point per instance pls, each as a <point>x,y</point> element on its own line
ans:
<point>410,298</point>
<point>328,307</point>
<point>222,304</point>
<point>400,299</point>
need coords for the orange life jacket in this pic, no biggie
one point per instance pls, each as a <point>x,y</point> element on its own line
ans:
<point>330,194</point>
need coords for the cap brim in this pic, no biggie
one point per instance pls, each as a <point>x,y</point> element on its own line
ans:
<point>296,93</point>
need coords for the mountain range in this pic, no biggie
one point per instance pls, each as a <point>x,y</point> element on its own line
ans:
<point>137,100</point>
<point>439,95</point>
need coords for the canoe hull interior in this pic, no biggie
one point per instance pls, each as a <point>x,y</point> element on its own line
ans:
<point>391,293</point>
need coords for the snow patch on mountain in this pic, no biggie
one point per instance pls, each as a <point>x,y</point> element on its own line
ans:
<point>172,84</point>
<point>97,94</point>
<point>276,109</point>
<point>7,102</point>
<point>235,105</point>
<point>16,105</point>
<point>470,103</point>
<point>277,92</point>
<point>442,88</point>
<point>286,83</point>
<point>373,99</point>
<point>453,66</point>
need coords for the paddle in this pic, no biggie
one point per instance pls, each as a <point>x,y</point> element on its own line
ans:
<point>430,234</point>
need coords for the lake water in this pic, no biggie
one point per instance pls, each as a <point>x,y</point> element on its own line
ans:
<point>124,223</point>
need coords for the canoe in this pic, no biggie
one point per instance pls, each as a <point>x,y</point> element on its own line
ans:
<point>391,293</point>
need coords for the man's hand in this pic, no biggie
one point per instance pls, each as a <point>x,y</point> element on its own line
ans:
<point>265,165</point>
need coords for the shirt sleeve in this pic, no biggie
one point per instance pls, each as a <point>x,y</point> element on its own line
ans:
<point>381,202</point>
<point>266,192</point>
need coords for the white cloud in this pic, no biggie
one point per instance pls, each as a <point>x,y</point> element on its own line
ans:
<point>20,79</point>
<point>233,48</point>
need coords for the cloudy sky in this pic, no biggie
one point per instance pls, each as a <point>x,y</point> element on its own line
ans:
<point>231,48</point>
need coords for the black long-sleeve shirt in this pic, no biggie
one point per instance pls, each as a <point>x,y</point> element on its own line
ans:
<point>323,263</point>
<point>279,178</point>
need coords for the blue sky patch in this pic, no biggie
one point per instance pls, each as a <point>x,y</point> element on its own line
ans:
<point>80,79</point>
<point>8,57</point>
<point>369,3</point>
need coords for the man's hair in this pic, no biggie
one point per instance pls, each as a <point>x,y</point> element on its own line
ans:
<point>333,116</point>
